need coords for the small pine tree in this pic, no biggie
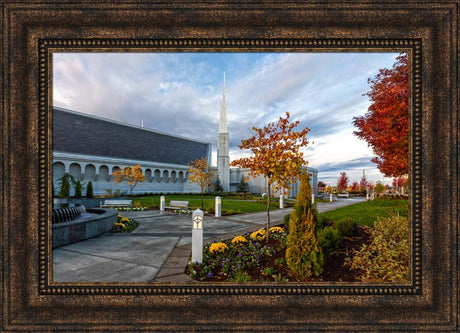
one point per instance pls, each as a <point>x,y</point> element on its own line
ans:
<point>89,189</point>
<point>217,186</point>
<point>65,183</point>
<point>78,189</point>
<point>303,253</point>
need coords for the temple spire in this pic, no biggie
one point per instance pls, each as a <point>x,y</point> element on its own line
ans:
<point>223,158</point>
<point>223,112</point>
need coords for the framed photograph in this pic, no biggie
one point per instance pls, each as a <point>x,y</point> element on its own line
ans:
<point>51,113</point>
<point>187,118</point>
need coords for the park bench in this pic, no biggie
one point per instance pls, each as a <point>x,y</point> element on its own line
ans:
<point>343,195</point>
<point>177,205</point>
<point>117,203</point>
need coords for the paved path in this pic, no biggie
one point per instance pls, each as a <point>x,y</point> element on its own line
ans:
<point>158,250</point>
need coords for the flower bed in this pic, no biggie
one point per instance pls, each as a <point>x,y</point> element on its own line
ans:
<point>124,224</point>
<point>130,209</point>
<point>243,259</point>
<point>232,259</point>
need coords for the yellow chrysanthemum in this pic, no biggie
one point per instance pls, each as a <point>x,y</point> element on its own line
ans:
<point>276,230</point>
<point>218,247</point>
<point>239,240</point>
<point>119,224</point>
<point>258,235</point>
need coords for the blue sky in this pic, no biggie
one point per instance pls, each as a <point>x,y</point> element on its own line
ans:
<point>180,93</point>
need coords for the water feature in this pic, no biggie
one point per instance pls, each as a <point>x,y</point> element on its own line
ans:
<point>60,215</point>
<point>74,224</point>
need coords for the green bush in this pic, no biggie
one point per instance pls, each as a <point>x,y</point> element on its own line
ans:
<point>78,189</point>
<point>386,258</point>
<point>329,241</point>
<point>89,189</point>
<point>346,227</point>
<point>323,221</point>
<point>65,183</point>
<point>303,253</point>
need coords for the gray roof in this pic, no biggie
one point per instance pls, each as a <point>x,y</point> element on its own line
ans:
<point>75,132</point>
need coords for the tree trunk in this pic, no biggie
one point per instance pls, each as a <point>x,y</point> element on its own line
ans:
<point>268,213</point>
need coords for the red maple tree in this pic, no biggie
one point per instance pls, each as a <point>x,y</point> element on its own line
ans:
<point>342,183</point>
<point>385,126</point>
<point>355,186</point>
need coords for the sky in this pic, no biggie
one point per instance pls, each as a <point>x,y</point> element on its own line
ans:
<point>181,93</point>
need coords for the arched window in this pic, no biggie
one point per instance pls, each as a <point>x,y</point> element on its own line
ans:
<point>103,173</point>
<point>90,172</point>
<point>75,170</point>
<point>58,170</point>
<point>157,175</point>
<point>148,175</point>
<point>165,176</point>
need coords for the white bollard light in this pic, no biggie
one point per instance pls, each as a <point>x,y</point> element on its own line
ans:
<point>197,236</point>
<point>330,197</point>
<point>162,204</point>
<point>281,201</point>
<point>367,196</point>
<point>312,198</point>
<point>218,209</point>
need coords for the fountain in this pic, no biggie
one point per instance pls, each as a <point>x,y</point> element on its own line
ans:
<point>74,224</point>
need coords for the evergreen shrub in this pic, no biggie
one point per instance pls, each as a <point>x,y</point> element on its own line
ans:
<point>330,240</point>
<point>303,253</point>
<point>78,189</point>
<point>346,227</point>
<point>89,189</point>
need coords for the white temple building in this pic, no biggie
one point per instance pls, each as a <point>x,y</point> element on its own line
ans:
<point>91,148</point>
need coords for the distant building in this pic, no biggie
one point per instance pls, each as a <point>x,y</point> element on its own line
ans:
<point>92,148</point>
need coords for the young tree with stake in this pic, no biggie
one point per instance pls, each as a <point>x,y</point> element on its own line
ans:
<point>201,174</point>
<point>276,155</point>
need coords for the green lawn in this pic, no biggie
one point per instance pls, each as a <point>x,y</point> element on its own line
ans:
<point>229,205</point>
<point>366,213</point>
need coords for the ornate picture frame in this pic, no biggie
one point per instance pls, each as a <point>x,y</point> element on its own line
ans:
<point>31,32</point>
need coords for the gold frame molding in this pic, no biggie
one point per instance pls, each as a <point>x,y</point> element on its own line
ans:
<point>31,32</point>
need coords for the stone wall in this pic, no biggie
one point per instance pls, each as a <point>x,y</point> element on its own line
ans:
<point>159,178</point>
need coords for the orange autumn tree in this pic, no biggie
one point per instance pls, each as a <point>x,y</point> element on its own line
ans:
<point>200,173</point>
<point>132,175</point>
<point>276,155</point>
<point>385,126</point>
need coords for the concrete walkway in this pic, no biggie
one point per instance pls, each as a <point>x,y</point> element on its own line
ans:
<point>158,250</point>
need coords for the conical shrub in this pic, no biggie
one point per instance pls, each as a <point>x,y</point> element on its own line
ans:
<point>303,253</point>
